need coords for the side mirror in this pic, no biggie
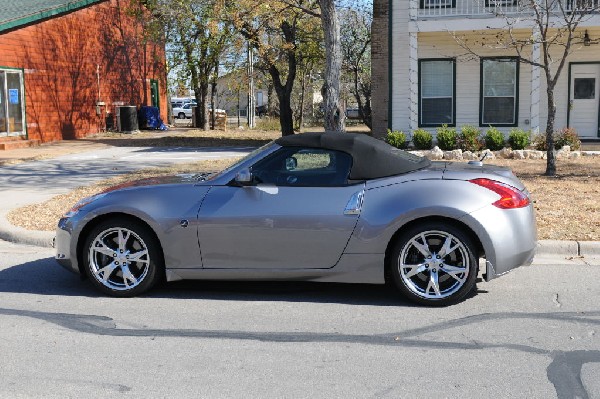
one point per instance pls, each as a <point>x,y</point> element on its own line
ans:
<point>291,163</point>
<point>244,177</point>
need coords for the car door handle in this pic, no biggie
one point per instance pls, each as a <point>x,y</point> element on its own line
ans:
<point>354,205</point>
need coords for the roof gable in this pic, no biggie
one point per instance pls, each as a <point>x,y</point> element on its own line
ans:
<point>16,13</point>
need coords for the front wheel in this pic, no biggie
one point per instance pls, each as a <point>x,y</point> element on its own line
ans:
<point>122,258</point>
<point>181,115</point>
<point>434,264</point>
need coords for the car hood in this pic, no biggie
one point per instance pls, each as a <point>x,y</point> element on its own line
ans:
<point>190,178</point>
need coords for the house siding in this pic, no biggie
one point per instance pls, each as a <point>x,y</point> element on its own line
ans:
<point>443,45</point>
<point>435,45</point>
<point>60,58</point>
<point>400,95</point>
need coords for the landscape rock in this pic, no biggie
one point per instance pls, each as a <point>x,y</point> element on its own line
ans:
<point>435,153</point>
<point>505,153</point>
<point>575,154</point>
<point>469,156</point>
<point>533,154</point>
<point>488,155</point>
<point>455,155</point>
<point>519,154</point>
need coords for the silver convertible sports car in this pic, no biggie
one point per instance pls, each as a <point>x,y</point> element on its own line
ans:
<point>334,207</point>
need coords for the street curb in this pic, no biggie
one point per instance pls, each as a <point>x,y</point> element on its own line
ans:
<point>568,248</point>
<point>556,247</point>
<point>19,235</point>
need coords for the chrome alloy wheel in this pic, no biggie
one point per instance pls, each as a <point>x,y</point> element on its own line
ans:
<point>434,264</point>
<point>119,259</point>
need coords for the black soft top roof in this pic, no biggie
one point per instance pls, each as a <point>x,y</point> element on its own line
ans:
<point>372,158</point>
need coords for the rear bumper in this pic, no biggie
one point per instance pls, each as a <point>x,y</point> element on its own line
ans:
<point>508,237</point>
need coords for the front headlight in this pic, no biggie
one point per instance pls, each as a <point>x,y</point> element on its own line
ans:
<point>83,202</point>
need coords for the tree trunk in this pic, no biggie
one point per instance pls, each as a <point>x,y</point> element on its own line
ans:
<point>550,158</point>
<point>213,94</point>
<point>201,94</point>
<point>302,95</point>
<point>269,109</point>
<point>285,115</point>
<point>335,118</point>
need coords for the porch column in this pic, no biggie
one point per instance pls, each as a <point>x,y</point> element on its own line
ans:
<point>535,84</point>
<point>413,77</point>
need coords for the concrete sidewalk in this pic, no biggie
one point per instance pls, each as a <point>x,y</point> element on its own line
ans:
<point>33,182</point>
<point>78,164</point>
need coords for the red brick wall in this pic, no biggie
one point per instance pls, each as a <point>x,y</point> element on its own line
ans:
<point>60,58</point>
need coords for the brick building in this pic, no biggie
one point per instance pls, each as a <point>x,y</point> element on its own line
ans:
<point>66,65</point>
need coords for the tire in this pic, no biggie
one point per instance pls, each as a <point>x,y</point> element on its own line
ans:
<point>122,258</point>
<point>434,264</point>
<point>181,115</point>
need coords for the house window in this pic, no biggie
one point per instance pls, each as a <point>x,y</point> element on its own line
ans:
<point>11,103</point>
<point>437,3</point>
<point>499,91</point>
<point>437,80</point>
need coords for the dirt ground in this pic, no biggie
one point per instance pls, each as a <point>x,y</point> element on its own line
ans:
<point>567,206</point>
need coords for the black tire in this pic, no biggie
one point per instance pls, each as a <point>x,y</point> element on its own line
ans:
<point>181,115</point>
<point>128,251</point>
<point>422,270</point>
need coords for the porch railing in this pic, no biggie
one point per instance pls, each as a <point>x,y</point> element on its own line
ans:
<point>426,9</point>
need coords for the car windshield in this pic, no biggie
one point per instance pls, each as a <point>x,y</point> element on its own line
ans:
<point>239,162</point>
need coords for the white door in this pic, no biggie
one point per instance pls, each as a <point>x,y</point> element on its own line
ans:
<point>585,85</point>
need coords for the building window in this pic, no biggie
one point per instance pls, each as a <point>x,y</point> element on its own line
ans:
<point>12,115</point>
<point>437,80</point>
<point>437,3</point>
<point>499,92</point>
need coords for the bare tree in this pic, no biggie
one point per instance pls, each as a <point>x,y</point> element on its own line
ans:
<point>555,26</point>
<point>356,50</point>
<point>334,110</point>
<point>333,107</point>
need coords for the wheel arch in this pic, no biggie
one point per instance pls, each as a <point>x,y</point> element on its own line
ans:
<point>439,219</point>
<point>102,218</point>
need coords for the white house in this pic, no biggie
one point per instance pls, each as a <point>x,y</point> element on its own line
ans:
<point>433,80</point>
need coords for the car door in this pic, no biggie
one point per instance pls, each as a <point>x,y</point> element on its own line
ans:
<point>299,214</point>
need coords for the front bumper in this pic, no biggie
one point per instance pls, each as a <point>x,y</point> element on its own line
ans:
<point>64,256</point>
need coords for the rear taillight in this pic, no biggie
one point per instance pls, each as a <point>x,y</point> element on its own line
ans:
<point>510,197</point>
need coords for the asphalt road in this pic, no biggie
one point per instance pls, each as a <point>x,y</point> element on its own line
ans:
<point>531,334</point>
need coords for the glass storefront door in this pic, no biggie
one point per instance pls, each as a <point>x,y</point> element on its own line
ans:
<point>12,109</point>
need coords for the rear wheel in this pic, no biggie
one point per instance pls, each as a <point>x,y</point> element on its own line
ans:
<point>122,258</point>
<point>434,264</point>
<point>181,115</point>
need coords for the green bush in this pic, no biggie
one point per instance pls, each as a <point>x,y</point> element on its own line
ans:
<point>518,139</point>
<point>447,138</point>
<point>567,136</point>
<point>494,139</point>
<point>396,138</point>
<point>539,142</point>
<point>422,139</point>
<point>469,138</point>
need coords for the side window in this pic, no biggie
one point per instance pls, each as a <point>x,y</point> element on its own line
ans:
<point>304,167</point>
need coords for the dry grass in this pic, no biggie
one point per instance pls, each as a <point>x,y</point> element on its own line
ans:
<point>568,205</point>
<point>44,216</point>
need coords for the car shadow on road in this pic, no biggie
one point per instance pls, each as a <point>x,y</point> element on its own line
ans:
<point>46,277</point>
